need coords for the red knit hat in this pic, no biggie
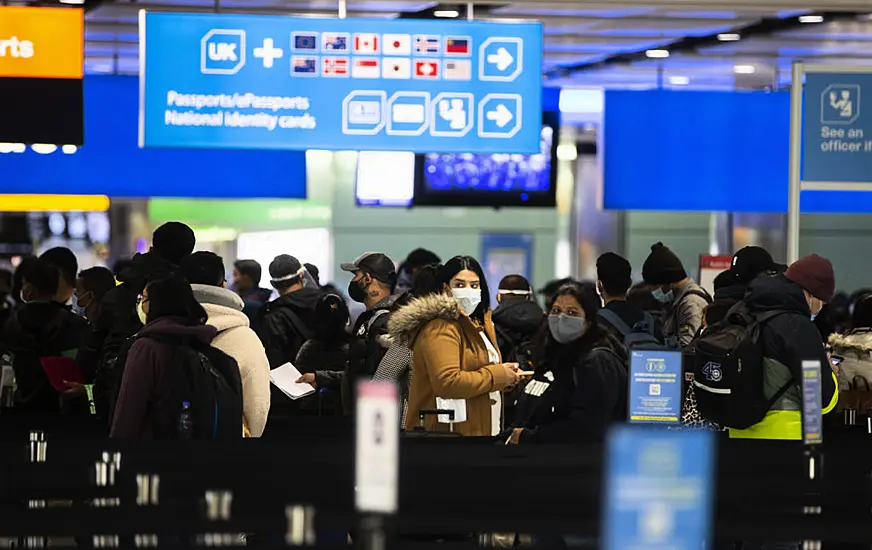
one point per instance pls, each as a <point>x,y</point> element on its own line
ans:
<point>815,275</point>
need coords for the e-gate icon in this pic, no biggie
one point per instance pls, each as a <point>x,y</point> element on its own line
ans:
<point>500,59</point>
<point>222,51</point>
<point>363,112</point>
<point>499,115</point>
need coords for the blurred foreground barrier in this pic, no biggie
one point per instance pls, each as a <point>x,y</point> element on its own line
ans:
<point>299,491</point>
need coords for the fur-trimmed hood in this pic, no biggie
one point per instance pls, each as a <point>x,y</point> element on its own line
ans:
<point>860,341</point>
<point>409,320</point>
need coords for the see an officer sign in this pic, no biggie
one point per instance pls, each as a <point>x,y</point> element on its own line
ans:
<point>272,82</point>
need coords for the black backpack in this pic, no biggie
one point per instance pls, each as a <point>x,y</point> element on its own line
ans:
<point>639,336</point>
<point>728,369</point>
<point>209,381</point>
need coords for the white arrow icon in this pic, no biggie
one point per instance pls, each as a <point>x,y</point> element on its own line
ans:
<point>501,115</point>
<point>502,59</point>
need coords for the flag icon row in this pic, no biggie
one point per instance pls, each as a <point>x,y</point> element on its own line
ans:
<point>385,67</point>
<point>385,44</point>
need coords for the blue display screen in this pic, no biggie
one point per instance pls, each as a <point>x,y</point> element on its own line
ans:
<point>497,172</point>
<point>111,163</point>
<point>491,180</point>
<point>705,151</point>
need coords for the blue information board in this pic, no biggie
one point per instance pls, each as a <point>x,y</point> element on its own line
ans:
<point>812,422</point>
<point>658,493</point>
<point>655,387</point>
<point>272,82</point>
<point>837,128</point>
<point>111,164</point>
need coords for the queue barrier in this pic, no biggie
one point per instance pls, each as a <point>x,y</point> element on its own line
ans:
<point>60,483</point>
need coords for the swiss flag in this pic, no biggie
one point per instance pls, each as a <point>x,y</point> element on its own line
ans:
<point>366,43</point>
<point>426,69</point>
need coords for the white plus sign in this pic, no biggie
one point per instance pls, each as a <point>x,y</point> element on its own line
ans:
<point>268,53</point>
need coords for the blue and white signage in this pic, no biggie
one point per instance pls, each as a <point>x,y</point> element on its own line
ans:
<point>658,493</point>
<point>837,128</point>
<point>271,82</point>
<point>655,387</point>
<point>812,422</point>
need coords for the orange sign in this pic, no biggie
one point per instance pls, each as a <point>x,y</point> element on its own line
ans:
<point>41,42</point>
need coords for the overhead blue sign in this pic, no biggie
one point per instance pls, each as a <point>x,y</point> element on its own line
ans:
<point>110,163</point>
<point>658,492</point>
<point>655,387</point>
<point>837,128</point>
<point>271,82</point>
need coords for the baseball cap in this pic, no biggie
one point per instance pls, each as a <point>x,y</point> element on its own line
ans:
<point>283,268</point>
<point>376,264</point>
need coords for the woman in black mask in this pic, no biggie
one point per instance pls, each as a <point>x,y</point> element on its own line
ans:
<point>580,384</point>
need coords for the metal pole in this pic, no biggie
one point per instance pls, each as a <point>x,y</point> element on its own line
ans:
<point>343,9</point>
<point>217,6</point>
<point>470,11</point>
<point>795,161</point>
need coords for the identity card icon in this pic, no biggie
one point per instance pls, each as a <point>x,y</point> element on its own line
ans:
<point>408,113</point>
<point>840,104</point>
<point>363,112</point>
<point>222,51</point>
<point>451,114</point>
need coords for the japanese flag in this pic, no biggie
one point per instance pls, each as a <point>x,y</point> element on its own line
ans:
<point>366,43</point>
<point>397,44</point>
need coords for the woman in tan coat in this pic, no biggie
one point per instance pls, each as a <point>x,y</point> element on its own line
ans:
<point>455,363</point>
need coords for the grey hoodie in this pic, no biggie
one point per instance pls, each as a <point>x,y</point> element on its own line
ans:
<point>685,315</point>
<point>237,340</point>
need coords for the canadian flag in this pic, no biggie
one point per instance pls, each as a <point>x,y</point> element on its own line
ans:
<point>426,69</point>
<point>397,44</point>
<point>366,43</point>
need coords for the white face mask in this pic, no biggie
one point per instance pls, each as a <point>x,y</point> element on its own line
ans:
<point>143,318</point>
<point>468,298</point>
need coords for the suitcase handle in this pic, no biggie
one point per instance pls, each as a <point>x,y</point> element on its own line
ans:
<point>423,413</point>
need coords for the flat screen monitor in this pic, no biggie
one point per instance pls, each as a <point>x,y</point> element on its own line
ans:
<point>655,387</point>
<point>491,180</point>
<point>385,178</point>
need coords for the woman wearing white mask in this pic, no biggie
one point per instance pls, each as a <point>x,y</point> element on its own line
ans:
<point>580,384</point>
<point>456,363</point>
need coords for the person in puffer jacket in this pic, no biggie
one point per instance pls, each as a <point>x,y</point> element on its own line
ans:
<point>224,308</point>
<point>853,350</point>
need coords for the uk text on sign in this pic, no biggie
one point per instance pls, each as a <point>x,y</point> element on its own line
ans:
<point>247,81</point>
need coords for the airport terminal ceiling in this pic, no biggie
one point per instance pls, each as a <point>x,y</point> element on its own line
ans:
<point>583,37</point>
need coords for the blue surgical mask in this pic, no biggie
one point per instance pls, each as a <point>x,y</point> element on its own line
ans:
<point>663,297</point>
<point>77,309</point>
<point>566,329</point>
<point>813,317</point>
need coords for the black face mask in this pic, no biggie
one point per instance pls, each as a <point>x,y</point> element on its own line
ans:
<point>356,292</point>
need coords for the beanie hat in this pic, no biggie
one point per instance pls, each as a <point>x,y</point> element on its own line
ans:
<point>815,275</point>
<point>662,267</point>
<point>751,261</point>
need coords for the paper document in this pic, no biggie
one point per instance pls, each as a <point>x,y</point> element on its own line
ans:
<point>285,378</point>
<point>456,405</point>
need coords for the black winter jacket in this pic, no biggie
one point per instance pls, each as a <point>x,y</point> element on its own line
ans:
<point>287,323</point>
<point>34,332</point>
<point>516,322</point>
<point>578,391</point>
<point>790,338</point>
